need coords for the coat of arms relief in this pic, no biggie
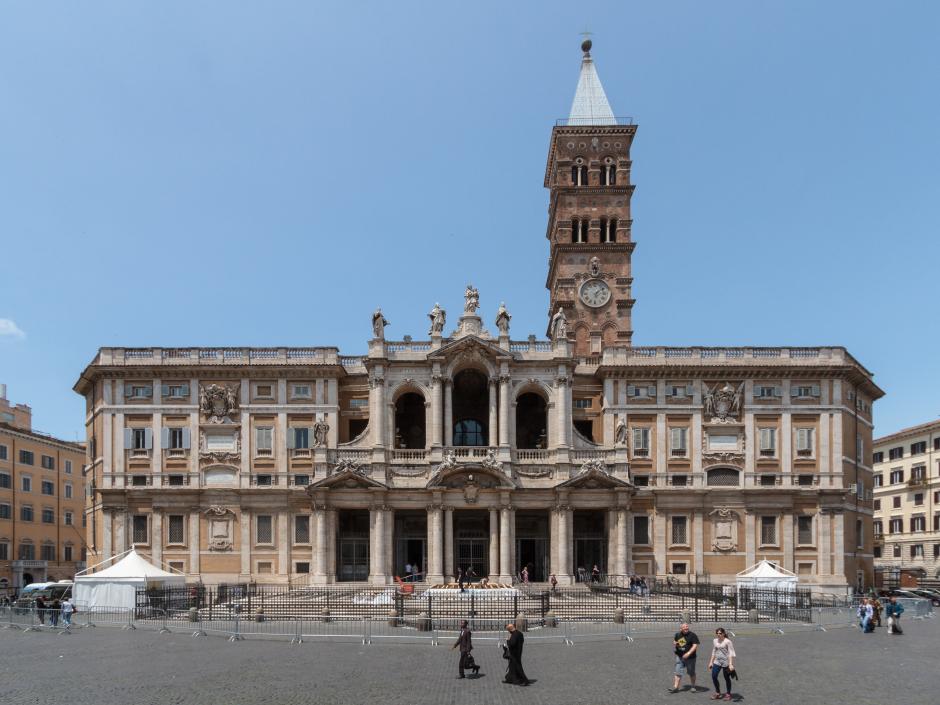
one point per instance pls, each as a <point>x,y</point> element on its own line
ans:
<point>217,402</point>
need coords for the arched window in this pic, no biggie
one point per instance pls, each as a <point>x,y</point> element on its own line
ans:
<point>531,421</point>
<point>469,432</point>
<point>608,230</point>
<point>609,173</point>
<point>579,229</point>
<point>410,421</point>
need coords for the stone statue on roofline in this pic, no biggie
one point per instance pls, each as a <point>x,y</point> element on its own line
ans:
<point>502,319</point>
<point>378,324</point>
<point>438,318</point>
<point>558,328</point>
<point>471,300</point>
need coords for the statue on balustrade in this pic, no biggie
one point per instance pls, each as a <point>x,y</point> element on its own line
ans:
<point>320,431</point>
<point>438,318</point>
<point>620,437</point>
<point>378,324</point>
<point>502,319</point>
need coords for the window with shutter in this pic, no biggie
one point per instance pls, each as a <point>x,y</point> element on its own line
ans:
<point>768,441</point>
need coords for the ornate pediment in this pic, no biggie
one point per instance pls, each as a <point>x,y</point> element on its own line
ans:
<point>594,474</point>
<point>346,475</point>
<point>477,475</point>
<point>470,347</point>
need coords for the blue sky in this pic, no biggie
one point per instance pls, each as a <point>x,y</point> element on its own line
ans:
<point>217,173</point>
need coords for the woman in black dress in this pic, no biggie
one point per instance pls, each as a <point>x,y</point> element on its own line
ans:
<point>512,652</point>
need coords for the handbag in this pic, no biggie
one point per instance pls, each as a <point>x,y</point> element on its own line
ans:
<point>506,653</point>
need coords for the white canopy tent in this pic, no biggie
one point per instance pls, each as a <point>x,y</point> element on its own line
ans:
<point>116,586</point>
<point>767,578</point>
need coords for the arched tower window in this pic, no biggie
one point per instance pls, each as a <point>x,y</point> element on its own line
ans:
<point>609,173</point>
<point>579,173</point>
<point>579,229</point>
<point>608,230</point>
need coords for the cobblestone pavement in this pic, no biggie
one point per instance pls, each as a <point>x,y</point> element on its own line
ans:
<point>108,666</point>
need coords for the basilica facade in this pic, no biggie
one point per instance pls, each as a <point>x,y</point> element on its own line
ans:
<point>471,449</point>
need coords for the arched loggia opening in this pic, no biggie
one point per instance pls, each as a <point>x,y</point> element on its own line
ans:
<point>410,424</point>
<point>531,421</point>
<point>471,409</point>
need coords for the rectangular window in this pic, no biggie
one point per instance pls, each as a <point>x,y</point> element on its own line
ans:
<point>68,490</point>
<point>583,403</point>
<point>859,533</point>
<point>678,442</point>
<point>768,442</point>
<point>936,443</point>
<point>641,442</point>
<point>300,391</point>
<point>6,481</point>
<point>139,439</point>
<point>768,531</point>
<point>48,516</point>
<point>918,523</point>
<point>140,527</point>
<point>897,476</point>
<point>138,391</point>
<point>919,499</point>
<point>263,480</point>
<point>918,473</point>
<point>26,483</point>
<point>679,568</point>
<point>263,532</point>
<point>48,487</point>
<point>918,448</point>
<point>264,440</point>
<point>26,513</point>
<point>766,391</point>
<point>641,530</point>
<point>301,438</point>
<point>878,457</point>
<point>805,391</point>
<point>877,505</point>
<point>6,511</point>
<point>302,567</point>
<point>175,529</point>
<point>140,480</point>
<point>175,438</point>
<point>48,462</point>
<point>175,391</point>
<point>806,480</point>
<point>26,552</point>
<point>67,553</point>
<point>877,527</point>
<point>804,531</point>
<point>68,519</point>
<point>302,528</point>
<point>896,550</point>
<point>68,467</point>
<point>917,550</point>
<point>682,391</point>
<point>47,552</point>
<point>680,534</point>
<point>641,391</point>
<point>27,457</point>
<point>4,551</point>
<point>804,442</point>
<point>768,480</point>
<point>896,453</point>
<point>878,480</point>
<point>3,452</point>
<point>895,502</point>
<point>896,526</point>
<point>264,391</point>
<point>360,403</point>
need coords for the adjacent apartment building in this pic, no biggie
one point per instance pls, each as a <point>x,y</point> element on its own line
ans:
<point>474,448</point>
<point>42,535</point>
<point>907,504</point>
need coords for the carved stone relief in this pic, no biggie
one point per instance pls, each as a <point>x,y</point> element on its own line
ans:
<point>217,402</point>
<point>221,521</point>
<point>724,529</point>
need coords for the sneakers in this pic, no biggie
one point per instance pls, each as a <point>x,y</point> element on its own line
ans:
<point>716,696</point>
<point>672,690</point>
<point>727,696</point>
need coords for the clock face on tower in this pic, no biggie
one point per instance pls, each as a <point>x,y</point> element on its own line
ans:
<point>595,293</point>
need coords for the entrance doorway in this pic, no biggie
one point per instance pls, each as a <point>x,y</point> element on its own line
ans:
<point>532,545</point>
<point>352,546</point>
<point>472,543</point>
<point>590,542</point>
<point>411,530</point>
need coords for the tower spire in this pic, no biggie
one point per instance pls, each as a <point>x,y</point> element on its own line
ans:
<point>590,106</point>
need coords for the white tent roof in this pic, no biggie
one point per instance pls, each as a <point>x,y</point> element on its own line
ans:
<point>133,565</point>
<point>766,569</point>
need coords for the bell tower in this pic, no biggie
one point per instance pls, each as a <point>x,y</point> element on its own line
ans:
<point>588,177</point>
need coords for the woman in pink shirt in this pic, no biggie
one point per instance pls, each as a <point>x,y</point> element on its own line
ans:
<point>722,659</point>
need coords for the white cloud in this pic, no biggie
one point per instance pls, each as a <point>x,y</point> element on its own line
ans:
<point>8,327</point>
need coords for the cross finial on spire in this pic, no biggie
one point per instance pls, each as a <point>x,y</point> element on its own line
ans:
<point>586,44</point>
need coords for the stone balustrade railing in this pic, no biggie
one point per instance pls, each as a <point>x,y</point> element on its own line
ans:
<point>217,356</point>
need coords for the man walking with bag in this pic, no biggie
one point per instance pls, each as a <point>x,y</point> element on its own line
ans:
<point>894,611</point>
<point>465,644</point>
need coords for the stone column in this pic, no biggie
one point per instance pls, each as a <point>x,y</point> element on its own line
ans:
<point>506,519</point>
<point>435,572</point>
<point>786,440</point>
<point>491,436</point>
<point>194,548</point>
<point>624,558</point>
<point>156,537</point>
<point>332,530</point>
<point>436,411</point>
<point>378,407</point>
<point>824,565</point>
<point>448,412</point>
<point>613,534</point>
<point>562,391</point>
<point>449,573</point>
<point>698,541</point>
<point>377,575</point>
<point>320,545</point>
<point>389,544</point>
<point>838,547</point>
<point>284,566</point>
<point>787,526</point>
<point>504,410</point>
<point>494,544</point>
<point>609,418</point>
<point>244,522</point>
<point>157,460</point>
<point>565,573</point>
<point>106,548</point>
<point>662,443</point>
